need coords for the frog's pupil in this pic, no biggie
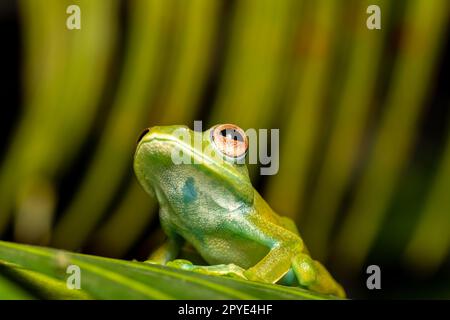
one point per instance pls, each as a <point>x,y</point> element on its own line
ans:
<point>231,134</point>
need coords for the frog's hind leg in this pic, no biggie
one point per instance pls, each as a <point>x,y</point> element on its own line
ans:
<point>313,275</point>
<point>229,270</point>
<point>289,224</point>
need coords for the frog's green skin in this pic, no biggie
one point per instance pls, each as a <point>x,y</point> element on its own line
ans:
<point>213,206</point>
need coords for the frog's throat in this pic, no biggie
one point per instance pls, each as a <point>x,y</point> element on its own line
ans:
<point>233,178</point>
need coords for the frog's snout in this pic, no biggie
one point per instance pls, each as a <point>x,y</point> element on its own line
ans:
<point>160,131</point>
<point>142,135</point>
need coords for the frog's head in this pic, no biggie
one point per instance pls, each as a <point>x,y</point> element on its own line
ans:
<point>189,170</point>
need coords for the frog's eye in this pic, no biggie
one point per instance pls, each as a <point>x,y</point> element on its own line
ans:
<point>230,140</point>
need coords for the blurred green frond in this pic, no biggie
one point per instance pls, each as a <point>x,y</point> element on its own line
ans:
<point>397,129</point>
<point>363,117</point>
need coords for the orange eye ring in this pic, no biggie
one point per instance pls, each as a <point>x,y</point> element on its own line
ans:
<point>230,140</point>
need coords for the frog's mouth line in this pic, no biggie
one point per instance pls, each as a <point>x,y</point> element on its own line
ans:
<point>196,155</point>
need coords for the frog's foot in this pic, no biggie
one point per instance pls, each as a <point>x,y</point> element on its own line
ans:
<point>228,270</point>
<point>313,275</point>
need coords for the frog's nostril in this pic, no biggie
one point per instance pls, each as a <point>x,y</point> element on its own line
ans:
<point>143,135</point>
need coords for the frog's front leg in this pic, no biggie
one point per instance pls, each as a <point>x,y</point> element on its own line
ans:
<point>309,273</point>
<point>275,264</point>
<point>288,252</point>
<point>169,250</point>
<point>229,270</point>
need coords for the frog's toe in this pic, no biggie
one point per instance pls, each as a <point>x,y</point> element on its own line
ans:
<point>227,270</point>
<point>313,275</point>
<point>150,261</point>
<point>234,271</point>
<point>180,264</point>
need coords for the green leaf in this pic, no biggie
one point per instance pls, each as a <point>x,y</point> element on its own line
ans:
<point>41,285</point>
<point>11,291</point>
<point>105,278</point>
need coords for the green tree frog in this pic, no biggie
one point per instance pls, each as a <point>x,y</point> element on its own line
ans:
<point>209,202</point>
